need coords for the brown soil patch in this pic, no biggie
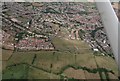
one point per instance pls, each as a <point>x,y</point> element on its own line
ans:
<point>92,75</point>
<point>76,74</point>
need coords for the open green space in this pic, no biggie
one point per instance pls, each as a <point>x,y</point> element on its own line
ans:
<point>52,64</point>
<point>39,74</point>
<point>16,72</point>
<point>20,57</point>
<point>108,63</point>
<point>72,46</point>
<point>6,54</point>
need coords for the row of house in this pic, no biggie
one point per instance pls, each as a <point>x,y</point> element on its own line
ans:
<point>34,44</point>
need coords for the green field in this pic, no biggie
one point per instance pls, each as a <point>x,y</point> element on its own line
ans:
<point>39,74</point>
<point>68,56</point>
<point>16,72</point>
<point>72,46</point>
<point>41,68</point>
<point>6,54</point>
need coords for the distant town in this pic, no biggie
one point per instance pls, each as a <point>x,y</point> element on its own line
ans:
<point>38,20</point>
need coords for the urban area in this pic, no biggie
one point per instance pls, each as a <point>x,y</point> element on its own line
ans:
<point>55,40</point>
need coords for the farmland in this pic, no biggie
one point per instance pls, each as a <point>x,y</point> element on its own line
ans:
<point>61,62</point>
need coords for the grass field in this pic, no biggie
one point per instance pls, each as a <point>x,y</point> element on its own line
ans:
<point>39,74</point>
<point>51,64</point>
<point>108,63</point>
<point>16,72</point>
<point>73,46</point>
<point>21,57</point>
<point>55,62</point>
<point>44,60</point>
<point>6,54</point>
<point>61,60</point>
<point>86,60</point>
<point>4,64</point>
